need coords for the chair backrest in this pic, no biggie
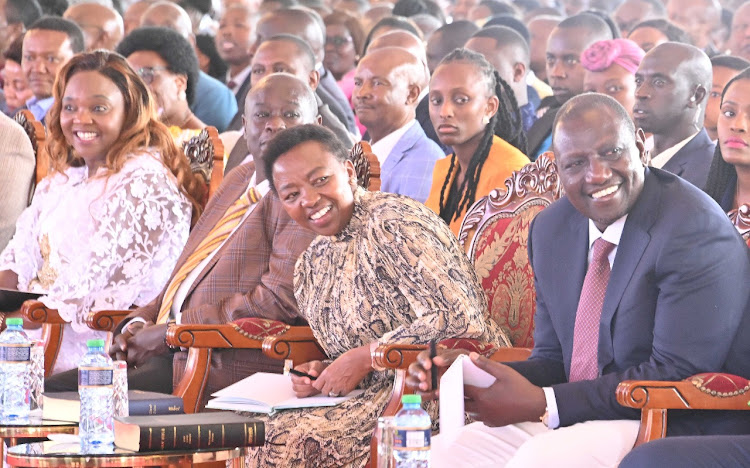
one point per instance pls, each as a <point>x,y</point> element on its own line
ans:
<point>366,165</point>
<point>741,219</point>
<point>496,230</point>
<point>37,135</point>
<point>205,152</point>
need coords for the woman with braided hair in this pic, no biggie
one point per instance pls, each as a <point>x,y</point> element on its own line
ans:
<point>475,112</point>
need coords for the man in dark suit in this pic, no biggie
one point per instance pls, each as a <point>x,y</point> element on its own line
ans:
<point>692,452</point>
<point>636,275</point>
<point>247,275</point>
<point>307,25</point>
<point>235,42</point>
<point>672,85</point>
<point>564,72</point>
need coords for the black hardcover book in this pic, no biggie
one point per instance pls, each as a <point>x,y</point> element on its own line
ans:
<point>66,406</point>
<point>188,431</point>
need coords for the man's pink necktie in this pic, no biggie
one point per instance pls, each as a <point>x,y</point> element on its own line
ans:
<point>584,363</point>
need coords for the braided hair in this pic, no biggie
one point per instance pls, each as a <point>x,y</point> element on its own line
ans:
<point>506,124</point>
<point>722,174</point>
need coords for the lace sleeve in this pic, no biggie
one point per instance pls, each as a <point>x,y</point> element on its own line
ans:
<point>141,224</point>
<point>22,254</point>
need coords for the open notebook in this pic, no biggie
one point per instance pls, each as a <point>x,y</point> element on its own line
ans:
<point>265,393</point>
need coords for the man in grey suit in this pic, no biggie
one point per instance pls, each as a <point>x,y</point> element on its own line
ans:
<point>636,275</point>
<point>672,85</point>
<point>17,165</point>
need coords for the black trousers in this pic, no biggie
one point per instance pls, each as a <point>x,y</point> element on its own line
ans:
<point>154,376</point>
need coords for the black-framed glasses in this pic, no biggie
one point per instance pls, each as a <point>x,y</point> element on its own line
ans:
<point>338,41</point>
<point>147,74</point>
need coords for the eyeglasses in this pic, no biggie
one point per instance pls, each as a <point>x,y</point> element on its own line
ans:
<point>338,41</point>
<point>147,74</point>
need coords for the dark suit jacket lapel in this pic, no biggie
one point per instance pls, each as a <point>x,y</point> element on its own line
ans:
<point>634,240</point>
<point>236,122</point>
<point>677,164</point>
<point>571,265</point>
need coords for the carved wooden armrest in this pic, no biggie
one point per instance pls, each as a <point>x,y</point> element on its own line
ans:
<point>106,320</point>
<point>298,344</point>
<point>700,392</point>
<point>397,356</point>
<point>210,336</point>
<point>35,311</point>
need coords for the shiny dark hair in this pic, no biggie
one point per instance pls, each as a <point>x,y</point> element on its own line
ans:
<point>72,30</point>
<point>290,138</point>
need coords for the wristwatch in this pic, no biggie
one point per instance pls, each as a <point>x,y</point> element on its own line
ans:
<point>373,347</point>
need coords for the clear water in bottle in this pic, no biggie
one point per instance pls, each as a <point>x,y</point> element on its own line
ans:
<point>95,372</point>
<point>15,368</point>
<point>411,434</point>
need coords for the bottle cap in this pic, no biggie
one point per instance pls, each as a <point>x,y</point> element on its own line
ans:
<point>14,321</point>
<point>408,399</point>
<point>95,343</point>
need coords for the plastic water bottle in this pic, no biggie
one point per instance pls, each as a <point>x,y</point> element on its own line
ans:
<point>411,434</point>
<point>15,368</point>
<point>96,428</point>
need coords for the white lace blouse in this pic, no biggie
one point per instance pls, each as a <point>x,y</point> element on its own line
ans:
<point>103,242</point>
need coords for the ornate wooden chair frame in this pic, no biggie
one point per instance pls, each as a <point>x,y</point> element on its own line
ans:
<point>654,398</point>
<point>741,220</point>
<point>205,152</point>
<point>37,135</point>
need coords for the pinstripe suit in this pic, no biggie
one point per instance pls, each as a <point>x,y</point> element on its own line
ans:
<point>250,276</point>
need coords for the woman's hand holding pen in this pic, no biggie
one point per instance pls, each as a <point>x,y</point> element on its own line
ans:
<point>345,372</point>
<point>302,385</point>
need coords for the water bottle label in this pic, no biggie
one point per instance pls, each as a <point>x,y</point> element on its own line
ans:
<point>94,377</point>
<point>15,353</point>
<point>411,438</point>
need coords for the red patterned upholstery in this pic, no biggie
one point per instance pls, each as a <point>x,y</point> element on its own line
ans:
<point>259,328</point>
<point>502,263</point>
<point>720,385</point>
<point>485,349</point>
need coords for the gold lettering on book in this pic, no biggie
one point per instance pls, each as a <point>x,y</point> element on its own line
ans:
<point>151,409</point>
<point>211,440</point>
<point>163,437</point>
<point>174,408</point>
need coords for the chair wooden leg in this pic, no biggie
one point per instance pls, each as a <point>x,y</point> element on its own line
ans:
<point>653,426</point>
<point>193,383</point>
<point>52,334</point>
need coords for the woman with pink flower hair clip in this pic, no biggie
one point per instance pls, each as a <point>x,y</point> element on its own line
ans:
<point>610,69</point>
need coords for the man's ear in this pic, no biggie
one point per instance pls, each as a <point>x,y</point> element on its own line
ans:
<point>314,79</point>
<point>640,143</point>
<point>413,97</point>
<point>699,94</point>
<point>519,72</point>
<point>319,119</point>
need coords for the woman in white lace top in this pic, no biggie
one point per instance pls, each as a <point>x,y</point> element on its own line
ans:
<point>106,227</point>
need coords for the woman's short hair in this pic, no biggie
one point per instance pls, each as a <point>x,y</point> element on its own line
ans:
<point>15,50</point>
<point>673,32</point>
<point>287,139</point>
<point>141,127</point>
<point>352,25</point>
<point>171,47</point>
<point>217,67</point>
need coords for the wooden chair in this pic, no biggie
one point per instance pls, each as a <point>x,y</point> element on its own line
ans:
<point>37,135</point>
<point>205,152</point>
<point>741,219</point>
<point>366,165</point>
<point>709,391</point>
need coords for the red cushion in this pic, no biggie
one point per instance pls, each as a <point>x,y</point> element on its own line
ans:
<point>502,263</point>
<point>721,385</point>
<point>259,328</point>
<point>485,349</point>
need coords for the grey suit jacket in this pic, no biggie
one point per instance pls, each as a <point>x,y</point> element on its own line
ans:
<point>674,305</point>
<point>250,276</point>
<point>17,164</point>
<point>693,160</point>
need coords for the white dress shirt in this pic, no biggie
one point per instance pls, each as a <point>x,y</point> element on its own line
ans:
<point>238,79</point>
<point>611,234</point>
<point>385,145</point>
<point>661,159</point>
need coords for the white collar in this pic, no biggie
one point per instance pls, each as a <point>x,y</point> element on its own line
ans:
<point>611,234</point>
<point>661,159</point>
<point>385,145</point>
<point>239,78</point>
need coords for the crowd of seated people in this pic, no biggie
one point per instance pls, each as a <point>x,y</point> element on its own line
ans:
<point>638,271</point>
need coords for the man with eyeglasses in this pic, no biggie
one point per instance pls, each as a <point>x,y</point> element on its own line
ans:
<point>15,17</point>
<point>48,45</point>
<point>102,26</point>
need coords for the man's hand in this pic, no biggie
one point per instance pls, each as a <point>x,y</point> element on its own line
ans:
<point>345,373</point>
<point>419,375</point>
<point>118,351</point>
<point>147,342</point>
<point>302,386</point>
<point>511,399</point>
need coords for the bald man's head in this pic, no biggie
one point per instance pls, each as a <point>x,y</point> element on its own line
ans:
<point>387,85</point>
<point>102,26</point>
<point>298,22</point>
<point>404,40</point>
<point>276,102</point>
<point>171,16</point>
<point>672,84</point>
